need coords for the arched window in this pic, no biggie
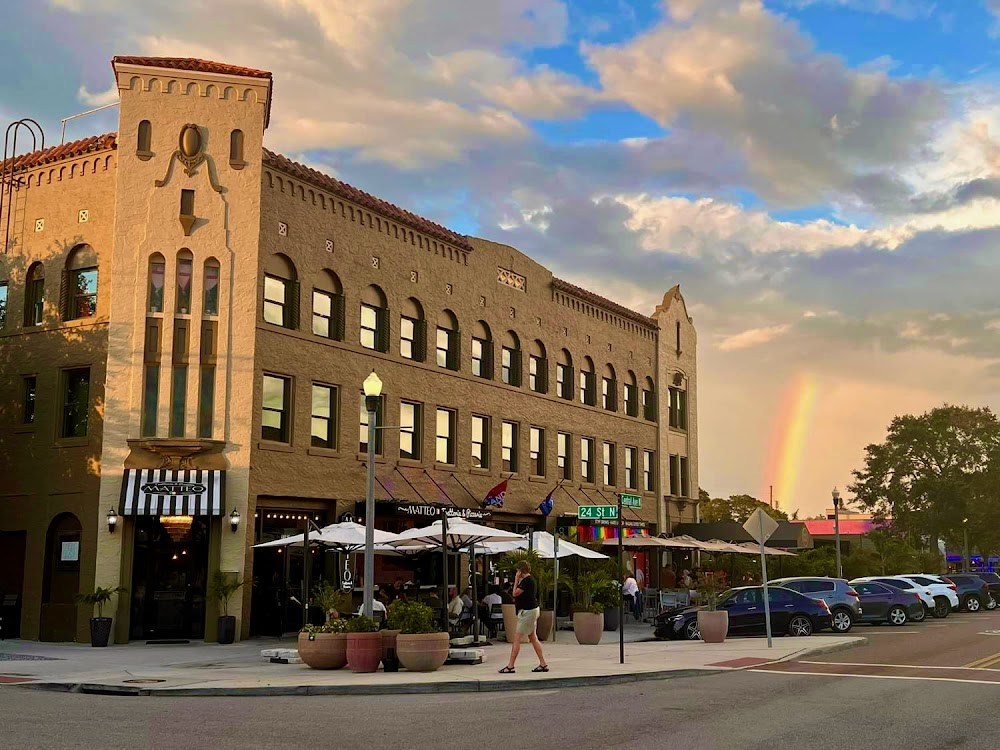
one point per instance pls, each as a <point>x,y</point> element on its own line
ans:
<point>78,297</point>
<point>564,375</point>
<point>184,280</point>
<point>34,295</point>
<point>413,331</point>
<point>538,368</point>
<point>281,292</point>
<point>374,329</point>
<point>649,400</point>
<point>482,351</point>
<point>677,413</point>
<point>588,383</point>
<point>236,150</point>
<point>157,278</point>
<point>510,360</point>
<point>631,395</point>
<point>609,389</point>
<point>448,341</point>
<point>328,307</point>
<point>210,306</point>
<point>144,140</point>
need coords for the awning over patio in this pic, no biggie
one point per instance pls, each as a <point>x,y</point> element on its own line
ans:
<point>172,492</point>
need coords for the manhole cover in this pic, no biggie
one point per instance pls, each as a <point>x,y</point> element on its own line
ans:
<point>142,681</point>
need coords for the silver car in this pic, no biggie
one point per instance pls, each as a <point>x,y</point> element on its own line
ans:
<point>844,602</point>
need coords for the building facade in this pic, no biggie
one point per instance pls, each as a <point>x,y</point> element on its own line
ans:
<point>188,318</point>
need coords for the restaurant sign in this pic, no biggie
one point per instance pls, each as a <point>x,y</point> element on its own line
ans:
<point>434,511</point>
<point>627,524</point>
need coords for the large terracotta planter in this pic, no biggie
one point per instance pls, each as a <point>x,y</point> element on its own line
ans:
<point>324,650</point>
<point>543,628</point>
<point>388,641</point>
<point>364,651</point>
<point>509,621</point>
<point>714,626</point>
<point>588,628</point>
<point>424,652</point>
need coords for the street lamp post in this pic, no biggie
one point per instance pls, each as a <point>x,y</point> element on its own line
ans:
<point>836,529</point>
<point>373,391</point>
<point>965,530</point>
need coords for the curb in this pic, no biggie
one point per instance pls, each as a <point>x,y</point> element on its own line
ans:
<point>831,649</point>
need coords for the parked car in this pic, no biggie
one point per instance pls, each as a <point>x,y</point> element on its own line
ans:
<point>881,603</point>
<point>945,593</point>
<point>993,586</point>
<point>923,592</point>
<point>972,590</point>
<point>792,613</point>
<point>845,606</point>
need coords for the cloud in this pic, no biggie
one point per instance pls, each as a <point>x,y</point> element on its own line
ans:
<point>904,9</point>
<point>100,98</point>
<point>753,337</point>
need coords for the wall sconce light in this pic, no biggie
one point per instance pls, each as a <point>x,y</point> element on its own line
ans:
<point>112,521</point>
<point>234,520</point>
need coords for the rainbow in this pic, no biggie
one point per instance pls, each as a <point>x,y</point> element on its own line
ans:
<point>788,440</point>
<point>603,533</point>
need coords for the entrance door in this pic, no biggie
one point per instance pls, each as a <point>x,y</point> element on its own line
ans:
<point>169,573</point>
<point>12,551</point>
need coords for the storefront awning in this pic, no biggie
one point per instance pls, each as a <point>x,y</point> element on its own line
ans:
<point>171,492</point>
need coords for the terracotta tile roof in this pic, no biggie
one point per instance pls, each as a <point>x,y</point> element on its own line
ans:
<point>190,63</point>
<point>603,302</point>
<point>61,152</point>
<point>348,192</point>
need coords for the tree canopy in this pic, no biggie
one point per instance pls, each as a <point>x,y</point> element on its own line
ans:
<point>736,508</point>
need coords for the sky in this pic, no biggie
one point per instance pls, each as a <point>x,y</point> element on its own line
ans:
<point>821,177</point>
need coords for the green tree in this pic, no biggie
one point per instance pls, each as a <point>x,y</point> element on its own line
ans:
<point>737,508</point>
<point>931,471</point>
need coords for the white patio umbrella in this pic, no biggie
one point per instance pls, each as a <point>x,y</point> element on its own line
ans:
<point>544,544</point>
<point>717,545</point>
<point>751,548</point>
<point>652,542</point>
<point>341,537</point>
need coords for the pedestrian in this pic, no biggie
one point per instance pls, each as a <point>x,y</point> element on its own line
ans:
<point>630,590</point>
<point>526,605</point>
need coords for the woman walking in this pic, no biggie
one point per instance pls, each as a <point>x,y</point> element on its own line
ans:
<point>526,604</point>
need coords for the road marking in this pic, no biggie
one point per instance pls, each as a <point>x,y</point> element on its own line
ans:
<point>986,661</point>
<point>879,676</point>
<point>888,666</point>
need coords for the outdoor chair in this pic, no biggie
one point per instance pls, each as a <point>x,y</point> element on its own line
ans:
<point>496,619</point>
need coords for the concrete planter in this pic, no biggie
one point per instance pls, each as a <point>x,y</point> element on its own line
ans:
<point>544,625</point>
<point>422,652</point>
<point>588,627</point>
<point>323,650</point>
<point>714,626</point>
<point>364,651</point>
<point>509,621</point>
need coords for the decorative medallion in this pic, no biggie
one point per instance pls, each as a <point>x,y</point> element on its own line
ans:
<point>190,152</point>
<point>190,141</point>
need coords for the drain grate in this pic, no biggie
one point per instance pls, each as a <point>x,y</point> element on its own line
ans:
<point>26,657</point>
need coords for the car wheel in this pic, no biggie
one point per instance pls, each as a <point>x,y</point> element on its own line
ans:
<point>842,621</point>
<point>972,603</point>
<point>800,625</point>
<point>691,631</point>
<point>991,603</point>
<point>897,616</point>
<point>921,615</point>
<point>942,608</point>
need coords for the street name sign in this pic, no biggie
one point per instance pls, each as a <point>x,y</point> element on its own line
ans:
<point>597,511</point>
<point>630,501</point>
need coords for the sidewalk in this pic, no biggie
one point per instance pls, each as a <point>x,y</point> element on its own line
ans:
<point>238,669</point>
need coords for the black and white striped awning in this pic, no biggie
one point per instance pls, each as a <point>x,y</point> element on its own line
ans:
<point>170,492</point>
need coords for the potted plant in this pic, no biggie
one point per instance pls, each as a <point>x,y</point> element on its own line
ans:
<point>324,646</point>
<point>588,611</point>
<point>713,623</point>
<point>611,597</point>
<point>419,647</point>
<point>224,586</point>
<point>100,626</point>
<point>331,600</point>
<point>364,644</point>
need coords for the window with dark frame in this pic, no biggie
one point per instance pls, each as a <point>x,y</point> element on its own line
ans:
<point>563,457</point>
<point>83,293</point>
<point>537,374</point>
<point>631,400</point>
<point>157,279</point>
<point>370,326</point>
<point>685,485</point>
<point>34,296</point>
<point>276,409</point>
<point>608,462</point>
<point>76,403</point>
<point>323,425</point>
<point>407,337</point>
<point>649,405</point>
<point>675,475</point>
<point>30,392</point>
<point>211,300</point>
<point>410,431</point>
<point>363,426</point>
<point>444,452</point>
<point>322,313</point>
<point>536,451</point>
<point>587,460</point>
<point>480,441</point>
<point>3,304</point>
<point>649,471</point>
<point>275,300</point>
<point>631,459</point>
<point>564,388</point>
<point>178,400</point>
<point>478,346</point>
<point>446,348</point>
<point>508,446</point>
<point>206,401</point>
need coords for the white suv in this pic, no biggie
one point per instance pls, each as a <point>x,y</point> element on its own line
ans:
<point>944,594</point>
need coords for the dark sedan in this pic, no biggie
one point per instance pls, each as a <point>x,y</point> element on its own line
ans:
<point>792,613</point>
<point>993,589</point>
<point>881,603</point>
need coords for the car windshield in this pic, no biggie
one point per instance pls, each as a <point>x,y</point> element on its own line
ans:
<point>726,595</point>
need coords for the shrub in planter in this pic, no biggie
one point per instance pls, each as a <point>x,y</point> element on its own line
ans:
<point>100,626</point>
<point>331,600</point>
<point>713,623</point>
<point>364,644</point>
<point>419,647</point>
<point>324,646</point>
<point>588,624</point>
<point>224,586</point>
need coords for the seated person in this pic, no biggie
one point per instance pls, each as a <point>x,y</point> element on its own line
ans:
<point>455,604</point>
<point>506,597</point>
<point>486,605</point>
<point>467,598</point>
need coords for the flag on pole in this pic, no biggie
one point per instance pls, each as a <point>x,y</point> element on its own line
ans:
<point>546,504</point>
<point>494,498</point>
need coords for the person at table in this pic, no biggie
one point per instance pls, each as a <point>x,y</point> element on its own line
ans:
<point>455,604</point>
<point>467,598</point>
<point>396,591</point>
<point>505,593</point>
<point>669,577</point>
<point>487,602</point>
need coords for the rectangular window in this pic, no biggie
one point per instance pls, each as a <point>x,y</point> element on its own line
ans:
<point>675,476</point>
<point>649,471</point>
<point>150,400</point>
<point>275,419</point>
<point>445,447</point>
<point>178,400</point>
<point>609,465</point>
<point>275,300</point>
<point>508,446</point>
<point>563,385</point>
<point>631,454</point>
<point>36,301</point>
<point>206,402</point>
<point>410,431</point>
<point>76,403</point>
<point>446,348</point>
<point>678,408</point>
<point>609,394</point>
<point>407,337</point>
<point>369,327</point>
<point>3,303</point>
<point>649,405</point>
<point>322,313</point>
<point>587,394</point>
<point>83,293</point>
<point>480,442</point>
<point>510,366</point>
<point>157,274</point>
<point>563,458</point>
<point>28,410</point>
<point>324,416</point>
<point>187,202</point>
<point>685,488</point>
<point>537,375</point>
<point>478,365</point>
<point>363,441</point>
<point>587,460</point>
<point>537,451</point>
<point>211,290</point>
<point>185,269</point>
<point>631,400</point>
